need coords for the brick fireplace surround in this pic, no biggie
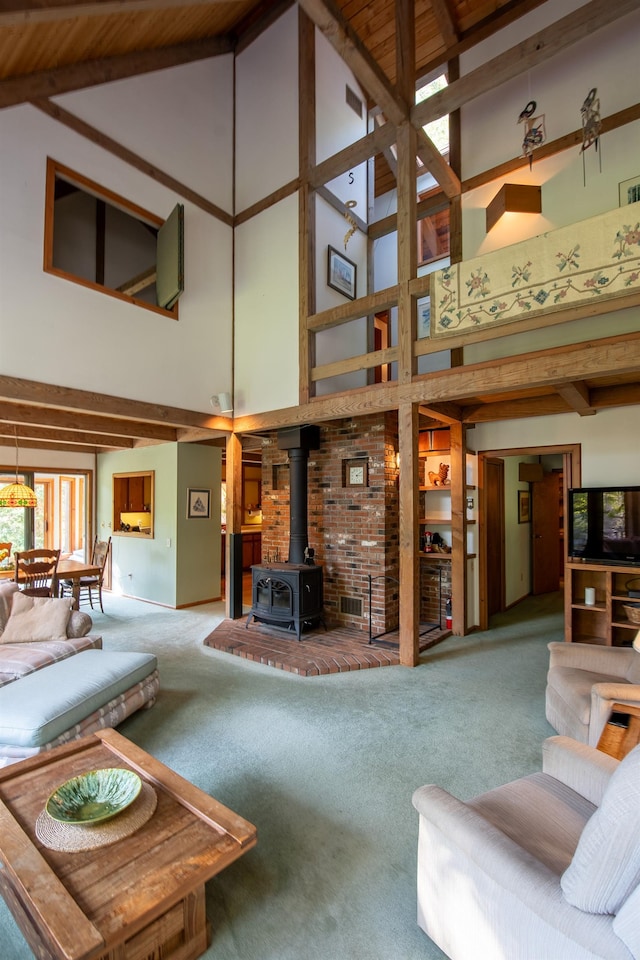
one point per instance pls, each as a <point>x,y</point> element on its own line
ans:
<point>353,530</point>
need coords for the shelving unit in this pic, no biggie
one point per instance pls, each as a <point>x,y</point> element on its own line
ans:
<point>604,622</point>
<point>435,502</point>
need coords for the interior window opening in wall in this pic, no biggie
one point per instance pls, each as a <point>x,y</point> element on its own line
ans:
<point>133,508</point>
<point>101,240</point>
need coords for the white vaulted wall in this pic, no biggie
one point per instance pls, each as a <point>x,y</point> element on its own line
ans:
<point>88,340</point>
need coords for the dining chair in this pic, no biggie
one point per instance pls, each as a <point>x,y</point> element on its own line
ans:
<point>99,556</point>
<point>35,572</point>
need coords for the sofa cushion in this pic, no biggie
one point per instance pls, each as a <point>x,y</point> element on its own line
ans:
<point>37,618</point>
<point>606,865</point>
<point>7,590</point>
<point>44,704</point>
<point>574,687</point>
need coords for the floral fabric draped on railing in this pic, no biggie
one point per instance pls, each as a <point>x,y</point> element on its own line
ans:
<point>594,259</point>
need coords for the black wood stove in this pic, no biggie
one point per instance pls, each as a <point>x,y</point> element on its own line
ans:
<point>289,594</point>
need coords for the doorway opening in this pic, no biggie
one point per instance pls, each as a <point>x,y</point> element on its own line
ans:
<point>522,544</point>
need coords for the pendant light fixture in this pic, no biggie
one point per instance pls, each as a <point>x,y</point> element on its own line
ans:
<point>17,494</point>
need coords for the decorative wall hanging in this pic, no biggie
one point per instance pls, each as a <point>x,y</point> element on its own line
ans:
<point>350,204</point>
<point>341,273</point>
<point>595,259</point>
<point>198,504</point>
<point>591,125</point>
<point>534,131</point>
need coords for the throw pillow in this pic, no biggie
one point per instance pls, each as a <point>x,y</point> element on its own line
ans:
<point>606,864</point>
<point>79,625</point>
<point>7,590</point>
<point>37,618</point>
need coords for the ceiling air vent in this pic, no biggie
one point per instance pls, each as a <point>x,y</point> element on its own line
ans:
<point>354,101</point>
<point>351,606</point>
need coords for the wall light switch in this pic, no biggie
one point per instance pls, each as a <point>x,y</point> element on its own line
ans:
<point>168,541</point>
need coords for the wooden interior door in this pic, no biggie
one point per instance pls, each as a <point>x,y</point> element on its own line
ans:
<point>494,514</point>
<point>545,531</point>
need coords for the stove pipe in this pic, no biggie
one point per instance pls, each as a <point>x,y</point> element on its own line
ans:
<point>298,442</point>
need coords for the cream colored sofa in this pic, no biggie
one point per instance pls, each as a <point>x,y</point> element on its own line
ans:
<point>64,687</point>
<point>544,868</point>
<point>20,659</point>
<point>584,681</point>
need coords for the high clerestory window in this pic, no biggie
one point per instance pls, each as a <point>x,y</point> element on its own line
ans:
<point>433,231</point>
<point>101,240</point>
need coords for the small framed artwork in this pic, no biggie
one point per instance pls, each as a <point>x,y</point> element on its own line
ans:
<point>524,506</point>
<point>356,472</point>
<point>424,317</point>
<point>341,273</point>
<point>198,504</point>
<point>629,191</point>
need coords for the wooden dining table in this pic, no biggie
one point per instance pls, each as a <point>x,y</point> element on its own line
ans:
<point>75,570</point>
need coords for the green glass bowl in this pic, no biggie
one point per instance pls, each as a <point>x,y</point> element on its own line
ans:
<point>94,796</point>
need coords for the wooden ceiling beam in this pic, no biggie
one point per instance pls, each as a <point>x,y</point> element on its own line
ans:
<point>576,396</point>
<point>444,412</point>
<point>86,401</point>
<point>90,73</point>
<point>48,417</point>
<point>350,48</point>
<point>22,12</point>
<point>610,357</point>
<point>357,152</point>
<point>56,112</point>
<point>537,49</point>
<point>44,434</point>
<point>446,24</point>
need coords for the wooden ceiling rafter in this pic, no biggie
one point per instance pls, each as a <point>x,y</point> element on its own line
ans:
<point>576,395</point>
<point>537,49</point>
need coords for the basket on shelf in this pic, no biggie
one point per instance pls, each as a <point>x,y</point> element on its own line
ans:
<point>632,611</point>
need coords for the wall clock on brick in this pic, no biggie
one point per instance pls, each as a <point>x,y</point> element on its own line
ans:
<point>356,474</point>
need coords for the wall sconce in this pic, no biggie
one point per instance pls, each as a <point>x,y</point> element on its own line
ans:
<point>514,198</point>
<point>397,460</point>
<point>223,401</point>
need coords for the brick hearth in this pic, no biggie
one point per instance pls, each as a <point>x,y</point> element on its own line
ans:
<point>318,653</point>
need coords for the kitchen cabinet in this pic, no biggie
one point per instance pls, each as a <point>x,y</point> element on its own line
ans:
<point>133,503</point>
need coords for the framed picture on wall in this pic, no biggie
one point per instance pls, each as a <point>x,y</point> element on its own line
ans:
<point>524,506</point>
<point>198,504</point>
<point>629,191</point>
<point>341,273</point>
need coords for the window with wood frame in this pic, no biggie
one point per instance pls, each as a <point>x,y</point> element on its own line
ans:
<point>101,240</point>
<point>433,237</point>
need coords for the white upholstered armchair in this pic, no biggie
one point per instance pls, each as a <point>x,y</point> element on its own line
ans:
<point>547,866</point>
<point>583,682</point>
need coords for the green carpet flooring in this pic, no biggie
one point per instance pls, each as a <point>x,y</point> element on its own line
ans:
<point>326,766</point>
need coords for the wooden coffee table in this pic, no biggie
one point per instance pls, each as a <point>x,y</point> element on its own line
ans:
<point>140,898</point>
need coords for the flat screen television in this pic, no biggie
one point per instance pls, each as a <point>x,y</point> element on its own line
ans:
<point>604,524</point>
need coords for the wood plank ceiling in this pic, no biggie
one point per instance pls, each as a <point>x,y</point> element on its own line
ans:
<point>49,47</point>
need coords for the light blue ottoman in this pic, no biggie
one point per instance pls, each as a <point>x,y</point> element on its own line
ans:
<point>73,697</point>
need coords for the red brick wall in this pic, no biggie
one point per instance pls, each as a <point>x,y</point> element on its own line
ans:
<point>353,530</point>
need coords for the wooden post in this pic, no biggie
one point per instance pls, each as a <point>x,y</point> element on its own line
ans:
<point>409,564</point>
<point>234,525</point>
<point>458,529</point>
<point>306,201</point>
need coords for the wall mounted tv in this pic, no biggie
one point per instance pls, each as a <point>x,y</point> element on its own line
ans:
<point>604,524</point>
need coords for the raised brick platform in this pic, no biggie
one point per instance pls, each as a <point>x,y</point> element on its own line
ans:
<point>319,652</point>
